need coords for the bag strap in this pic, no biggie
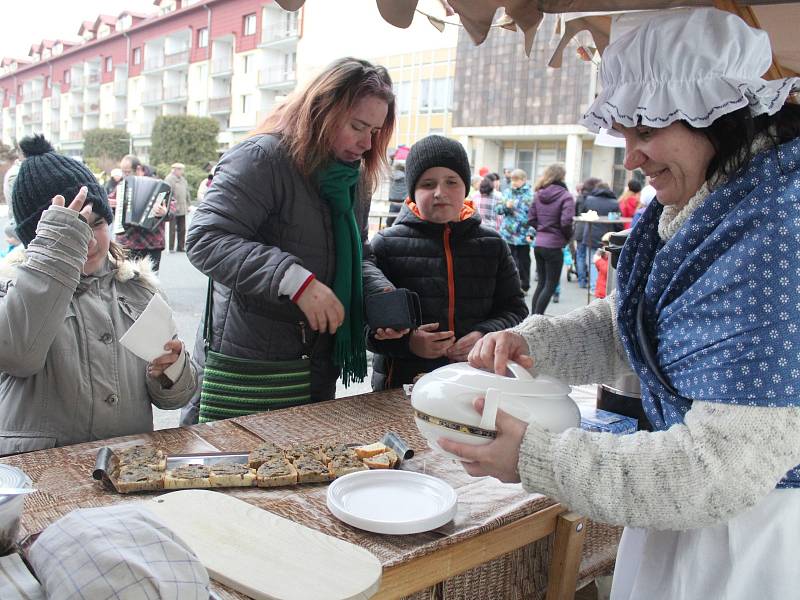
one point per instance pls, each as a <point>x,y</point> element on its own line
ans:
<point>648,355</point>
<point>208,318</point>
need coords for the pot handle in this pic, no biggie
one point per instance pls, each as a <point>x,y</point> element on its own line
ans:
<point>490,405</point>
<point>519,371</point>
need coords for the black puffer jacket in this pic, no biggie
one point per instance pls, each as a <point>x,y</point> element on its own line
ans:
<point>603,201</point>
<point>259,217</point>
<point>483,279</point>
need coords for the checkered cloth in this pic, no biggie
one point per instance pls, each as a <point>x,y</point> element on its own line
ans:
<point>122,552</point>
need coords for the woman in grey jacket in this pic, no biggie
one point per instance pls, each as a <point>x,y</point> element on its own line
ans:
<point>64,304</point>
<point>282,228</point>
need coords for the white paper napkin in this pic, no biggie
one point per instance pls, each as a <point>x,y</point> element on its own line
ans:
<point>154,328</point>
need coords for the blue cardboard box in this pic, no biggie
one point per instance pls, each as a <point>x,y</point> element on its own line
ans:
<point>594,419</point>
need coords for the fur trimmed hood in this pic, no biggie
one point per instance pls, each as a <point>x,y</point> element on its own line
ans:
<point>139,270</point>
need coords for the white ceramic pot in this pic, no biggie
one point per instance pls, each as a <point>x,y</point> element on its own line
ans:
<point>443,403</point>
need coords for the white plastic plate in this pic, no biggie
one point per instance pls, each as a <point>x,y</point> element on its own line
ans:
<point>392,502</point>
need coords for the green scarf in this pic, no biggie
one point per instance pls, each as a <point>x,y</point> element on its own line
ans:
<point>337,185</point>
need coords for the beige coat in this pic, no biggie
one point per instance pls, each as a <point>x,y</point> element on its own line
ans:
<point>65,378</point>
<point>180,193</point>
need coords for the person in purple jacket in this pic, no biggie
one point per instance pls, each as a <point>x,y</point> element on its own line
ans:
<point>551,215</point>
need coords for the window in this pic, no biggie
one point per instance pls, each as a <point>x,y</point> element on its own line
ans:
<point>620,174</point>
<point>250,24</point>
<point>246,102</point>
<point>137,56</point>
<point>246,63</point>
<point>109,64</point>
<point>66,76</point>
<point>47,83</point>
<point>402,90</point>
<point>202,37</point>
<point>436,95</point>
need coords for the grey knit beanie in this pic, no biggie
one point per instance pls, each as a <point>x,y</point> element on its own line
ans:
<point>436,151</point>
<point>44,174</point>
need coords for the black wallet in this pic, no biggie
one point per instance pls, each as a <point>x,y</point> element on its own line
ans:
<point>399,309</point>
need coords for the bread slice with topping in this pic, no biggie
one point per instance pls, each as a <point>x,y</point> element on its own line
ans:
<point>137,478</point>
<point>228,474</point>
<point>148,456</point>
<point>264,452</point>
<point>371,449</point>
<point>187,476</point>
<point>385,460</point>
<point>344,464</point>
<point>275,473</point>
<point>311,470</point>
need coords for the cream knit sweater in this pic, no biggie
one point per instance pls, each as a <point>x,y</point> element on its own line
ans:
<point>723,460</point>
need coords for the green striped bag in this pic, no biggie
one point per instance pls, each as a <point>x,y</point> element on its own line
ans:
<point>233,387</point>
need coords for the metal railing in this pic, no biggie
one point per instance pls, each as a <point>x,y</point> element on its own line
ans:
<point>75,135</point>
<point>281,31</point>
<point>219,104</point>
<point>174,92</point>
<point>176,58</point>
<point>120,117</point>
<point>76,110</point>
<point>93,78</point>
<point>276,75</point>
<point>154,95</point>
<point>221,65</point>
<point>121,87</point>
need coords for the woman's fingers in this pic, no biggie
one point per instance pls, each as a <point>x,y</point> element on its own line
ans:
<point>79,200</point>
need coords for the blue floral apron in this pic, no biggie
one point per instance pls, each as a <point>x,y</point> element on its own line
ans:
<point>720,301</point>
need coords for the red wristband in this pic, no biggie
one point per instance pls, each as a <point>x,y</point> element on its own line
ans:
<point>303,287</point>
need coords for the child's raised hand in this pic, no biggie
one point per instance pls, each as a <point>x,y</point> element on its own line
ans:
<point>156,368</point>
<point>77,203</point>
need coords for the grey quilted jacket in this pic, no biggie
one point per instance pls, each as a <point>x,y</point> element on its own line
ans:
<point>259,217</point>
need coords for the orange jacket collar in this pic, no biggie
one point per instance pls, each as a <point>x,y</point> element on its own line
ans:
<point>466,211</point>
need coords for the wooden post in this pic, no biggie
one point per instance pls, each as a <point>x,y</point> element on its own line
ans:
<point>566,559</point>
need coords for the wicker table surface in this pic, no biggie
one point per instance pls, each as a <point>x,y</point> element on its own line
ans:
<point>63,478</point>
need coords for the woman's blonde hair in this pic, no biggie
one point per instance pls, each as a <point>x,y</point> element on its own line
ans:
<point>552,174</point>
<point>309,119</point>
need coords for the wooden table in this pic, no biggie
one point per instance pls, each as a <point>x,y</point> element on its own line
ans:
<point>493,519</point>
<point>589,222</point>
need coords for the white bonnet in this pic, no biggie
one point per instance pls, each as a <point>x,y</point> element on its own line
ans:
<point>692,65</point>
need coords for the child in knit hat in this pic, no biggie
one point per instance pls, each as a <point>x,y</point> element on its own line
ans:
<point>462,271</point>
<point>64,304</point>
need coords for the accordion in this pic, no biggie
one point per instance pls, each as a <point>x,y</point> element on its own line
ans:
<point>137,200</point>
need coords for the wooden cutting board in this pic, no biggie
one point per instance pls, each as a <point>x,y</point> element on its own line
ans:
<point>263,555</point>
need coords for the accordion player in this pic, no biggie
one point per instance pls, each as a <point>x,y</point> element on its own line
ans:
<point>137,200</point>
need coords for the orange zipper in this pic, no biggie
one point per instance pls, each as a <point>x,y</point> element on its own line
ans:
<point>451,284</point>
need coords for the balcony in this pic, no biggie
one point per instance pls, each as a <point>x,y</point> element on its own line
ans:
<point>121,87</point>
<point>76,83</point>
<point>154,96</point>
<point>55,127</point>
<point>34,95</point>
<point>55,101</point>
<point>93,109</point>
<point>279,35</point>
<point>93,79</point>
<point>175,93</point>
<point>120,118</point>
<point>277,78</point>
<point>76,110</point>
<point>222,66</point>
<point>219,105</point>
<point>176,58</point>
<point>151,63</point>
<point>75,136</point>
<point>36,117</point>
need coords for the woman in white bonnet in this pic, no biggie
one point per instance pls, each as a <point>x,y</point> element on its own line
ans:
<point>705,313</point>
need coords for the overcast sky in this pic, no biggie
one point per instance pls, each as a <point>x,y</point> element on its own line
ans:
<point>26,22</point>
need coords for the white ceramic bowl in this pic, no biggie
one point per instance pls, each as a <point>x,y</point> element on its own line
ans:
<point>11,506</point>
<point>443,403</point>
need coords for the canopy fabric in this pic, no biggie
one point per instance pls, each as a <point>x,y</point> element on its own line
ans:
<point>777,17</point>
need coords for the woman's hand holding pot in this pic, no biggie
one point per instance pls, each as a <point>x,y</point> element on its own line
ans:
<point>499,458</point>
<point>495,350</point>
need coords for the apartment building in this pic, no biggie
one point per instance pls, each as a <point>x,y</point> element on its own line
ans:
<point>228,59</point>
<point>512,110</point>
<point>232,60</point>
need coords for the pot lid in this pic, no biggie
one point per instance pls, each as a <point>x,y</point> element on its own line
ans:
<point>12,477</point>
